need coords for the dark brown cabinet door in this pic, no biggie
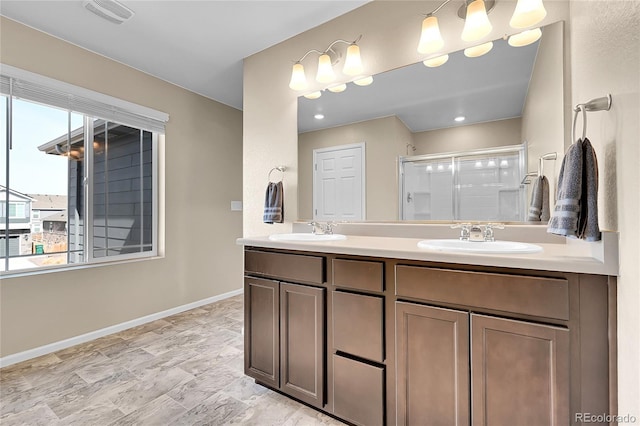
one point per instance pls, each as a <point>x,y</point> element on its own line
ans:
<point>302,339</point>
<point>520,373</point>
<point>432,347</point>
<point>261,336</point>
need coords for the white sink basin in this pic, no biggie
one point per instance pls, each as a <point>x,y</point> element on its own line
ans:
<point>453,245</point>
<point>301,236</point>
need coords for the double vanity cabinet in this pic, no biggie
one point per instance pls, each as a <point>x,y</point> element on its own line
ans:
<point>376,341</point>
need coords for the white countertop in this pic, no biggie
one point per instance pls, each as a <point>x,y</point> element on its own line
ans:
<point>599,258</point>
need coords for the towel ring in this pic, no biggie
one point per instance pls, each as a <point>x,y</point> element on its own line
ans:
<point>597,104</point>
<point>577,109</point>
<point>280,169</point>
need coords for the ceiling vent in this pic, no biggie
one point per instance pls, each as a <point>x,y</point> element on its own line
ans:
<point>111,10</point>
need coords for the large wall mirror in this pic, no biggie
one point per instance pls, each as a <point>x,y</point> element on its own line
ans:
<point>510,96</point>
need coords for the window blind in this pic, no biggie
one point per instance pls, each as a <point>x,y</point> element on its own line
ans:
<point>37,88</point>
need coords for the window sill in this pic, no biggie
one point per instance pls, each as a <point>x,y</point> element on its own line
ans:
<point>68,268</point>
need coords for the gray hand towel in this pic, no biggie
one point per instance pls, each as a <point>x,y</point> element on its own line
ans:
<point>564,220</point>
<point>588,228</point>
<point>539,207</point>
<point>273,203</point>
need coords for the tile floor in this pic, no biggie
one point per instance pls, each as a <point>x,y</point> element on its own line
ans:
<point>186,369</point>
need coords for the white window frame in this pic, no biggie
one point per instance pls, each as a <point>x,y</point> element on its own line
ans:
<point>32,87</point>
<point>88,193</point>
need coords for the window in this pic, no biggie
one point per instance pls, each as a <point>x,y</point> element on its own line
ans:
<point>92,201</point>
<point>16,210</point>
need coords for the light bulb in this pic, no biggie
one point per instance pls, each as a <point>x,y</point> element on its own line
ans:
<point>527,13</point>
<point>325,70</point>
<point>338,88</point>
<point>525,38</point>
<point>476,24</point>
<point>475,51</point>
<point>298,79</point>
<point>353,64</point>
<point>436,62</point>
<point>430,39</point>
<point>364,81</point>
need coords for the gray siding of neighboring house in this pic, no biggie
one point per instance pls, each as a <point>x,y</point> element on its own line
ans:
<point>122,220</point>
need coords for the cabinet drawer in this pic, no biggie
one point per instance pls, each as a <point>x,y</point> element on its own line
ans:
<point>541,297</point>
<point>358,327</point>
<point>358,391</point>
<point>358,274</point>
<point>293,267</point>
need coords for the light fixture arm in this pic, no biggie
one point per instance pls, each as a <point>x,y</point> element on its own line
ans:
<point>330,47</point>
<point>438,8</point>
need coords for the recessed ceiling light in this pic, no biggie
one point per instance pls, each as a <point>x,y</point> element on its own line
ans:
<point>318,116</point>
<point>459,118</point>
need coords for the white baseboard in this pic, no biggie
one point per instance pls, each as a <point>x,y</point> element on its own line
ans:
<point>83,338</point>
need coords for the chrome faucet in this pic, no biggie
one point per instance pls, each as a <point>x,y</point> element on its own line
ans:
<point>320,228</point>
<point>477,232</point>
<point>488,230</point>
<point>464,230</point>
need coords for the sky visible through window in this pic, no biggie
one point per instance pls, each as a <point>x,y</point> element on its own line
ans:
<point>32,171</point>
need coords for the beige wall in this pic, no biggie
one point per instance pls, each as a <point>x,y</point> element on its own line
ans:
<point>465,138</point>
<point>605,56</point>
<point>384,142</point>
<point>201,175</point>
<point>545,104</point>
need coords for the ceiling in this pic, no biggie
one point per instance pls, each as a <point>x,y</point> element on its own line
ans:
<point>198,45</point>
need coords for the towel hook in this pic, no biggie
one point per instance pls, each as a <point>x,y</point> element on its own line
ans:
<point>280,169</point>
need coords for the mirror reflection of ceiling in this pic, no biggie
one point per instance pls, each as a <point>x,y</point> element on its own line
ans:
<point>487,88</point>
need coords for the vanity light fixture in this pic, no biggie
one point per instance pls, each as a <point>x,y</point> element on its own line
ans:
<point>364,81</point>
<point>338,88</point>
<point>298,79</point>
<point>476,23</point>
<point>525,38</point>
<point>326,61</point>
<point>477,26</point>
<point>436,62</point>
<point>325,69</point>
<point>430,39</point>
<point>527,13</point>
<point>313,95</point>
<point>476,51</point>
